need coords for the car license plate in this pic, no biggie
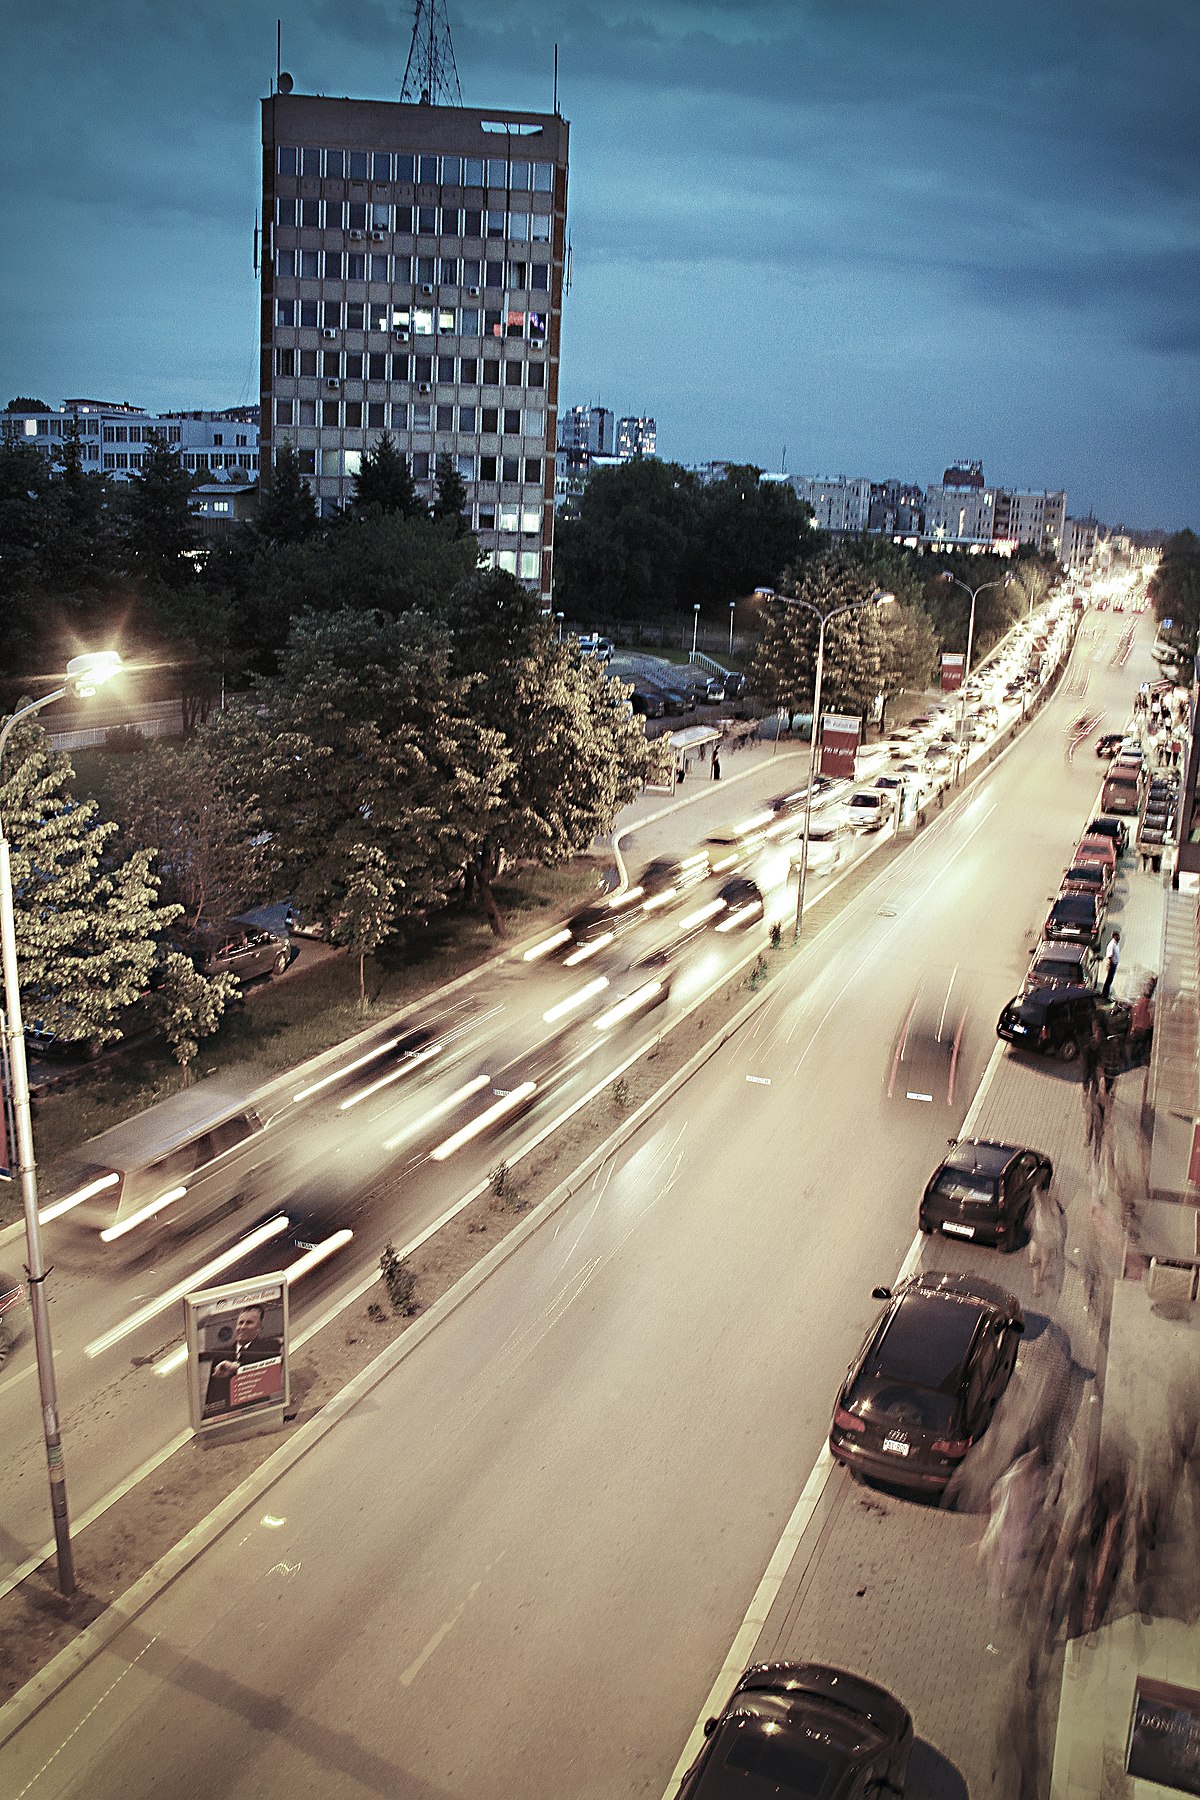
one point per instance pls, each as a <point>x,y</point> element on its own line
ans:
<point>957,1230</point>
<point>897,1446</point>
<point>1019,1030</point>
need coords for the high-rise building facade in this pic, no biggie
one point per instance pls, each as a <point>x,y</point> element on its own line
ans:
<point>586,428</point>
<point>636,437</point>
<point>412,282</point>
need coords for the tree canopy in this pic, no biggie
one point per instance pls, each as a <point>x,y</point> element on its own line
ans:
<point>1174,591</point>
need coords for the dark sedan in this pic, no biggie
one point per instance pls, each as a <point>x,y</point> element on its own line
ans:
<point>1061,964</point>
<point>1088,878</point>
<point>927,1381</point>
<point>801,1728</point>
<point>983,1191</point>
<point>1075,919</point>
<point>1109,743</point>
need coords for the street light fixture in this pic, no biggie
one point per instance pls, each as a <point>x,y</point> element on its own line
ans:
<point>84,675</point>
<point>559,617</point>
<point>732,606</point>
<point>962,695</point>
<point>695,626</point>
<point>879,598</point>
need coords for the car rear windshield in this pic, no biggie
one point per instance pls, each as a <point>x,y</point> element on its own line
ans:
<point>964,1184</point>
<point>789,1767</point>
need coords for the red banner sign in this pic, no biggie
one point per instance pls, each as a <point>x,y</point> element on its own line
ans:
<point>839,745</point>
<point>953,663</point>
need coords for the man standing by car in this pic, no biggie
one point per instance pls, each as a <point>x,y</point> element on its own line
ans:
<point>1112,957</point>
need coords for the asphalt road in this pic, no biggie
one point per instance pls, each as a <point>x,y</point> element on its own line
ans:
<point>518,1565</point>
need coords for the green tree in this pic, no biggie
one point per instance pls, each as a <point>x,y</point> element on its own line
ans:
<point>83,550</point>
<point>287,512</point>
<point>23,404</point>
<point>187,805</point>
<point>364,739</point>
<point>190,1006</point>
<point>25,481</point>
<point>784,663</point>
<point>1174,590</point>
<point>450,497</point>
<point>86,926</point>
<point>368,907</point>
<point>385,481</point>
<point>908,656</point>
<point>627,552</point>
<point>159,524</point>
<point>749,532</point>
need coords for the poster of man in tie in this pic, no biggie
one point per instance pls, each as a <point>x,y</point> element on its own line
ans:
<point>237,1351</point>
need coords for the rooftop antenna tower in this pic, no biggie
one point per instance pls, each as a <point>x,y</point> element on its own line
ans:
<point>431,74</point>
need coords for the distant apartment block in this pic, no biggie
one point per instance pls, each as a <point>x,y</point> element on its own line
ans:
<point>412,282</point>
<point>116,436</point>
<point>1080,538</point>
<point>1030,518</point>
<point>586,428</point>
<point>636,437</point>
<point>839,503</point>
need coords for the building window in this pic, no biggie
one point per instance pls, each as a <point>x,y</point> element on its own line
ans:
<point>531,520</point>
<point>354,365</point>
<point>354,415</point>
<point>425,270</point>
<point>310,265</point>
<point>539,228</point>
<point>427,221</point>
<point>530,565</point>
<point>381,166</point>
<point>512,421</point>
<point>376,415</point>
<point>509,515</point>
<point>445,418</point>
<point>404,221</point>
<point>307,460</point>
<point>335,165</point>
<point>468,369</point>
<point>359,165</point>
<point>519,176</point>
<point>495,223</point>
<point>451,221</point>
<point>518,227</point>
<point>451,171</point>
<point>493,274</point>
<point>354,266</point>
<point>356,215</point>
<point>308,363</point>
<point>536,375</point>
<point>513,372</point>
<point>288,160</point>
<point>539,277</point>
<point>507,560</point>
<point>378,267</point>
<point>466,418</point>
<point>472,271</point>
<point>310,161</point>
<point>469,321</point>
<point>533,469</point>
<point>510,468</point>
<point>406,168</point>
<point>422,416</point>
<point>487,518</point>
<point>220,506</point>
<point>420,465</point>
<point>424,369</point>
<point>472,223</point>
<point>487,468</point>
<point>448,271</point>
<point>543,178</point>
<point>331,462</point>
<point>330,410</point>
<point>465,465</point>
<point>422,321</point>
<point>355,314</point>
<point>308,412</point>
<point>445,323</point>
<point>377,366</point>
<point>331,314</point>
<point>472,171</point>
<point>381,215</point>
<point>309,314</point>
<point>285,312</point>
<point>490,421</point>
<point>285,363</point>
<point>311,214</point>
<point>427,168</point>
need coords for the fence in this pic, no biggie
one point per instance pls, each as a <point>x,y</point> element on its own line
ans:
<point>162,718</point>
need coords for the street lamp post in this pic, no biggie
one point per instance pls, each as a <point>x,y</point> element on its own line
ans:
<point>84,675</point>
<point>732,606</point>
<point>559,618</point>
<point>876,599</point>
<point>974,594</point>
<point>695,626</point>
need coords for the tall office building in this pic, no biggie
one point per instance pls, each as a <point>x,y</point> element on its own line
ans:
<point>412,281</point>
<point>636,437</point>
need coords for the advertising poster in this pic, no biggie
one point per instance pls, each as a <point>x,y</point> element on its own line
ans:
<point>237,1351</point>
<point>839,745</point>
<point>1164,1736</point>
<point>953,662</point>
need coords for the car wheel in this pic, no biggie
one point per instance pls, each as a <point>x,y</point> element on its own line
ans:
<point>926,1230</point>
<point>281,962</point>
<point>1068,1051</point>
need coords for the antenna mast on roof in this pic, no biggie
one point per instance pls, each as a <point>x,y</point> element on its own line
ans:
<point>431,74</point>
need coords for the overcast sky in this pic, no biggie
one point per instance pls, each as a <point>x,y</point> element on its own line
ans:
<point>875,235</point>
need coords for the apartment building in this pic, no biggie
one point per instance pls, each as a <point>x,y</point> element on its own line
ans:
<point>115,437</point>
<point>412,281</point>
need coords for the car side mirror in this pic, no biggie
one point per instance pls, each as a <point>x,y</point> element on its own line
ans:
<point>710,1725</point>
<point>881,1293</point>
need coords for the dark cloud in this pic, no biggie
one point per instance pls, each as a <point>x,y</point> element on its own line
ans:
<point>883,232</point>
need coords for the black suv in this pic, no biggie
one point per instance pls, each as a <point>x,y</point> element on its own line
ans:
<point>983,1191</point>
<point>1109,826</point>
<point>1057,1021</point>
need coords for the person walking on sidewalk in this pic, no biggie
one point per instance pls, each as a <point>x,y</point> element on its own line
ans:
<point>716,764</point>
<point>1047,1237</point>
<point>1112,957</point>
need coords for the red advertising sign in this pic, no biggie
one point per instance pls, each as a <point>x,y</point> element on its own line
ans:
<point>953,663</point>
<point>839,745</point>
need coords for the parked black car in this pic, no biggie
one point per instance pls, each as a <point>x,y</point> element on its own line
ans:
<point>803,1729</point>
<point>1075,919</point>
<point>1061,965</point>
<point>927,1381</point>
<point>1109,743</point>
<point>1057,1021</point>
<point>983,1191</point>
<point>1088,878</point>
<point>246,951</point>
<point>648,703</point>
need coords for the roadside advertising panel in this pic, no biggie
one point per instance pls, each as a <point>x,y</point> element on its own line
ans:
<point>237,1341</point>
<point>5,1134</point>
<point>839,745</point>
<point>953,663</point>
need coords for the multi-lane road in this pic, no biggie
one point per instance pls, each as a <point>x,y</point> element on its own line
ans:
<point>517,1567</point>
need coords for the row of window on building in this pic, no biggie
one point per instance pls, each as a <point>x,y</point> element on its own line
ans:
<point>513,471</point>
<point>330,316</point>
<point>196,460</point>
<point>406,271</point>
<point>317,163</point>
<point>395,415</point>
<point>399,366</point>
<point>387,218</point>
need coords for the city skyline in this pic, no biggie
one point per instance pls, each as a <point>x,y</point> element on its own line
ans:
<point>876,243</point>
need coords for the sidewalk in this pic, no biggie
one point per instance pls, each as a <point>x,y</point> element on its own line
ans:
<point>898,1590</point>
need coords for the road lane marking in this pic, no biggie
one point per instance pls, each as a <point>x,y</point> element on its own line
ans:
<point>95,1707</point>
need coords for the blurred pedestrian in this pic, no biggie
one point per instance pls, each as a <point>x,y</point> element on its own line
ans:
<point>1009,1540</point>
<point>1112,957</point>
<point>1047,1232</point>
<point>716,764</point>
<point>1141,1025</point>
<point>1090,1056</point>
